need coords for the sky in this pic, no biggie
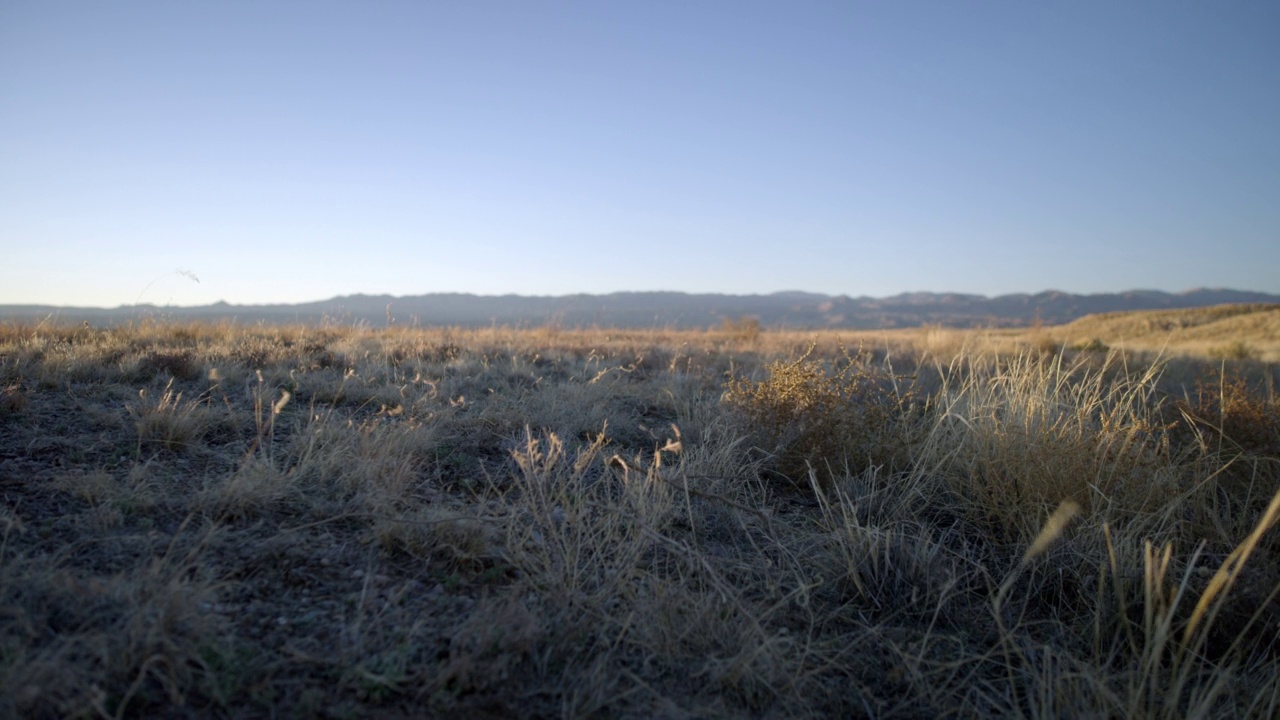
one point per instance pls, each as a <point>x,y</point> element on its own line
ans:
<point>182,153</point>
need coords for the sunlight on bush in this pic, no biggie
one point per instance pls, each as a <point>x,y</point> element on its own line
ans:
<point>808,416</point>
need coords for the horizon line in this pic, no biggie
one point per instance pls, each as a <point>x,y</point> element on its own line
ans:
<point>393,298</point>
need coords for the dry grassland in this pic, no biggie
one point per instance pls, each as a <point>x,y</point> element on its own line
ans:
<point>1240,332</point>
<point>222,521</point>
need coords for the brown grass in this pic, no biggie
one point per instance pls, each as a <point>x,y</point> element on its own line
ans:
<point>222,521</point>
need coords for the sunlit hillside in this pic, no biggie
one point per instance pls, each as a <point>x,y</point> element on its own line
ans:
<point>1236,331</point>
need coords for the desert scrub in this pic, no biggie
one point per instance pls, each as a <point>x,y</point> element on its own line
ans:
<point>811,416</point>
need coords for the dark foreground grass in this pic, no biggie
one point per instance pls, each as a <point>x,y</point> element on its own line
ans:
<point>217,521</point>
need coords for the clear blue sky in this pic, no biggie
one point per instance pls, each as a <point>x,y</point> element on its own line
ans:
<point>293,151</point>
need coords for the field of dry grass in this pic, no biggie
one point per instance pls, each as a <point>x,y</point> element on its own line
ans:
<point>221,521</point>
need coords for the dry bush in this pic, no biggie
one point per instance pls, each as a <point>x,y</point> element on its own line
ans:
<point>742,329</point>
<point>1043,344</point>
<point>808,416</point>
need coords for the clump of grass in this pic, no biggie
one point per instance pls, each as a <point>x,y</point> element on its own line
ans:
<point>1182,647</point>
<point>256,487</point>
<point>81,645</point>
<point>450,536</point>
<point>575,529</point>
<point>110,495</point>
<point>1019,436</point>
<point>12,400</point>
<point>167,420</point>
<point>892,569</point>
<point>1154,643</point>
<point>179,364</point>
<point>1235,428</point>
<point>806,415</point>
<point>489,647</point>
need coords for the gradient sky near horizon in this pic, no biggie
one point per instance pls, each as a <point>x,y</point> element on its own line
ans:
<point>294,151</point>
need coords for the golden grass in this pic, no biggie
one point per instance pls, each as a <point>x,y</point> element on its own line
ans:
<point>1232,331</point>
<point>223,521</point>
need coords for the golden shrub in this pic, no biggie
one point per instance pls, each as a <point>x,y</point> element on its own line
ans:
<point>825,417</point>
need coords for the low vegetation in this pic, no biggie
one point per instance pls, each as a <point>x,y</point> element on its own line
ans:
<point>222,521</point>
<point>1236,332</point>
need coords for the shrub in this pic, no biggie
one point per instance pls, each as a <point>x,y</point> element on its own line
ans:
<point>745,329</point>
<point>805,416</point>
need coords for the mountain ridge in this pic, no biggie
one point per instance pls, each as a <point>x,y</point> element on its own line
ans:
<point>791,308</point>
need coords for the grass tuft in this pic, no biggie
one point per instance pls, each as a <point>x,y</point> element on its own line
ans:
<point>166,420</point>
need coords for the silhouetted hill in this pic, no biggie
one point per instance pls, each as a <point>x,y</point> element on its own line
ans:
<point>669,309</point>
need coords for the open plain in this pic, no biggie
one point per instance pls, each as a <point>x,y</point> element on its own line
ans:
<point>255,521</point>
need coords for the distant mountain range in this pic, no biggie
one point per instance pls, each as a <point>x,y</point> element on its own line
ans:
<point>666,309</point>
